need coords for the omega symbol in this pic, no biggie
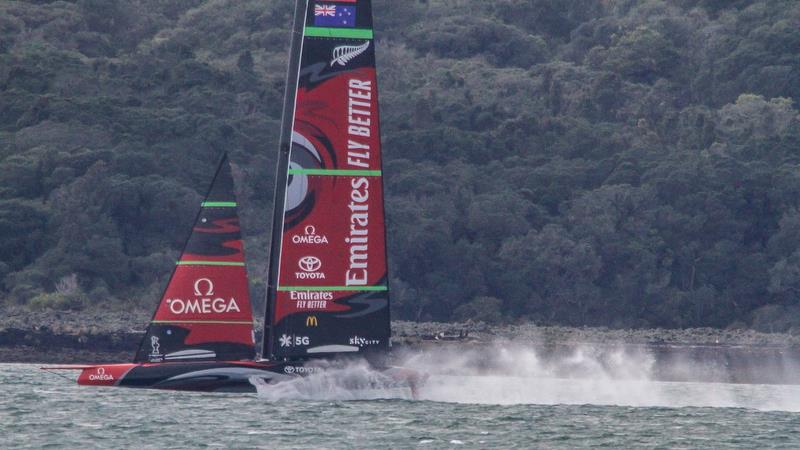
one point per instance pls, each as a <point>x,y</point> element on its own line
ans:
<point>208,284</point>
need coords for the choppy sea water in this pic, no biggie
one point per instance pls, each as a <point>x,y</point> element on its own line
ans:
<point>40,410</point>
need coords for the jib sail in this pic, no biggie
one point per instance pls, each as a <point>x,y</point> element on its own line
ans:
<point>328,288</point>
<point>205,312</point>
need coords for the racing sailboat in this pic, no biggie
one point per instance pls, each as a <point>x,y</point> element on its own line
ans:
<point>327,294</point>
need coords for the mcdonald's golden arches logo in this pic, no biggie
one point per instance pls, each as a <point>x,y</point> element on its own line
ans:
<point>311,321</point>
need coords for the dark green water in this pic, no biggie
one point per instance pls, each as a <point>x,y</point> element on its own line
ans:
<point>39,410</point>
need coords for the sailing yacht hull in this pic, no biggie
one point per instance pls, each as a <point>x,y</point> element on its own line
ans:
<point>219,376</point>
<point>212,376</point>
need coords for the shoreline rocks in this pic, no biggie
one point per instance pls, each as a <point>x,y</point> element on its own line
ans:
<point>739,355</point>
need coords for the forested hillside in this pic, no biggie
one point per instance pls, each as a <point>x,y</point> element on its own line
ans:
<point>615,162</point>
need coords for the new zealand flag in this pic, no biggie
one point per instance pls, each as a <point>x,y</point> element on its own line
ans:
<point>327,15</point>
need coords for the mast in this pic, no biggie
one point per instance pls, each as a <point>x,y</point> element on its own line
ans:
<point>284,150</point>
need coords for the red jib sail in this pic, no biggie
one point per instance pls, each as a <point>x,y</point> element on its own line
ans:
<point>205,312</point>
<point>328,288</point>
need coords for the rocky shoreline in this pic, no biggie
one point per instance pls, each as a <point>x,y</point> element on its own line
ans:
<point>733,355</point>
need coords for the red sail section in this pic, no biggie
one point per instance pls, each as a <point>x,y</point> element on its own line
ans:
<point>205,311</point>
<point>211,302</point>
<point>332,293</point>
<point>338,240</point>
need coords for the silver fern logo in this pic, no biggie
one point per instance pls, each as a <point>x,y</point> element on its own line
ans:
<point>343,54</point>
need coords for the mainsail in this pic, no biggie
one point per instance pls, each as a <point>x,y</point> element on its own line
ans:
<point>328,290</point>
<point>205,312</point>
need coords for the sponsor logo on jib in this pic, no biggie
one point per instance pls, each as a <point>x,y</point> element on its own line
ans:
<point>205,301</point>
<point>310,236</point>
<point>101,375</point>
<point>310,266</point>
<point>299,369</point>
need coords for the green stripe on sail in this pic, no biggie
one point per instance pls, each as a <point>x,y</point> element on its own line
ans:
<point>332,288</point>
<point>209,263</point>
<point>348,33</point>
<point>212,322</point>
<point>218,204</point>
<point>335,172</point>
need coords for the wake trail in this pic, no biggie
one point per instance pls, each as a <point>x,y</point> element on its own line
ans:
<point>508,374</point>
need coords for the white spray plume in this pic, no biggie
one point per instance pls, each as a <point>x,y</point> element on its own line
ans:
<point>506,373</point>
<point>335,380</point>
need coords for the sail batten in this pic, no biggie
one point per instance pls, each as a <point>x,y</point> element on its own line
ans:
<point>210,263</point>
<point>219,205</point>
<point>328,289</point>
<point>332,288</point>
<point>353,33</point>
<point>337,172</point>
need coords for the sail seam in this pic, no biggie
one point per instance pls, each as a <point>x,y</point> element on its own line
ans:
<point>209,263</point>
<point>333,288</point>
<point>348,33</point>
<point>219,205</point>
<point>336,172</point>
<point>220,322</point>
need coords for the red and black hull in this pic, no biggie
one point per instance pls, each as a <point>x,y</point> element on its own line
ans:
<point>223,376</point>
<point>217,376</point>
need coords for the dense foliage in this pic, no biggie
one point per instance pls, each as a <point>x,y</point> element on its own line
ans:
<point>614,162</point>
